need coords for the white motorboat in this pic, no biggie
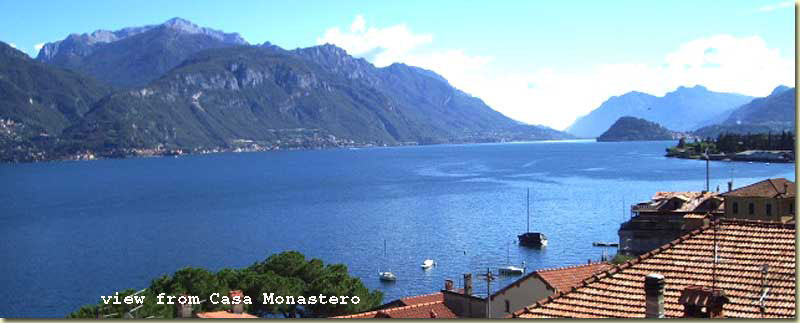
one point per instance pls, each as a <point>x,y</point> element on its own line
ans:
<point>428,263</point>
<point>387,276</point>
<point>511,270</point>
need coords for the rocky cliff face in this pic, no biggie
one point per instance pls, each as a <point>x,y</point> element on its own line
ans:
<point>219,96</point>
<point>137,55</point>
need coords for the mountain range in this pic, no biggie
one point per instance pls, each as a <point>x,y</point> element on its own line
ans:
<point>180,86</point>
<point>685,109</point>
<point>774,113</point>
<point>134,56</point>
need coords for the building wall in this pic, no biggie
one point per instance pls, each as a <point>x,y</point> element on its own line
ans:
<point>525,293</point>
<point>646,232</point>
<point>781,208</point>
<point>465,305</point>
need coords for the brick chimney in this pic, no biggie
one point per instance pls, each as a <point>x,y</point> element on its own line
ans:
<point>448,284</point>
<point>184,310</point>
<point>468,284</point>
<point>237,308</point>
<point>654,296</point>
<point>702,302</point>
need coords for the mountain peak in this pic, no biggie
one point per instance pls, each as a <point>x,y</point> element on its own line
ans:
<point>779,89</point>
<point>696,88</point>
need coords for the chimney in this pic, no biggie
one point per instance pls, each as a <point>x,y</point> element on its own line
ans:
<point>654,296</point>
<point>702,302</point>
<point>730,186</point>
<point>184,310</point>
<point>468,284</point>
<point>785,188</point>
<point>237,308</point>
<point>448,284</point>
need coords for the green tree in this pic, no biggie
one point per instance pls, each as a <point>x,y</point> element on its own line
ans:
<point>287,273</point>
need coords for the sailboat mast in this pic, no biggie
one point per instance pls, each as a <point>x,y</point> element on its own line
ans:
<point>528,208</point>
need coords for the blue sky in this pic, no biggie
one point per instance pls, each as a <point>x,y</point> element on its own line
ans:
<point>543,62</point>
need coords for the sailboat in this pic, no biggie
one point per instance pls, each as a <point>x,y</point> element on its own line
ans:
<point>532,239</point>
<point>386,275</point>
<point>428,263</point>
<point>510,269</point>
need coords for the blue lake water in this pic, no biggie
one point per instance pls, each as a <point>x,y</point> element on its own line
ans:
<point>72,231</point>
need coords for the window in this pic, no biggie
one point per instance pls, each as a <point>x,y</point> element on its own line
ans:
<point>791,208</point>
<point>751,208</point>
<point>769,209</point>
<point>735,208</point>
<point>508,306</point>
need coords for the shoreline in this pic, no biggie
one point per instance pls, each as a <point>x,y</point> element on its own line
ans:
<point>133,153</point>
<point>735,157</point>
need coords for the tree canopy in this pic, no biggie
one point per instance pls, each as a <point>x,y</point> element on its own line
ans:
<point>287,273</point>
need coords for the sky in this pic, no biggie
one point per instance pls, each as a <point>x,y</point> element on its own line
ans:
<point>537,61</point>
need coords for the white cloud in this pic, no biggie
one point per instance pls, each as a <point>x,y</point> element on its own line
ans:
<point>382,46</point>
<point>554,96</point>
<point>358,24</point>
<point>773,7</point>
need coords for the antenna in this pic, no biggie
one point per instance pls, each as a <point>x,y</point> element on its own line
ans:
<point>714,267</point>
<point>708,189</point>
<point>489,278</point>
<point>764,289</point>
<point>623,208</point>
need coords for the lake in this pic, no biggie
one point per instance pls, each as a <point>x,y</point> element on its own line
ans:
<point>72,231</point>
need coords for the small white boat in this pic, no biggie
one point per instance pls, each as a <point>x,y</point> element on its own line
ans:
<point>428,263</point>
<point>387,276</point>
<point>511,270</point>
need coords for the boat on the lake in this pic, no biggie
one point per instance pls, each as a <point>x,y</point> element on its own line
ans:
<point>532,239</point>
<point>511,269</point>
<point>428,263</point>
<point>605,244</point>
<point>387,276</point>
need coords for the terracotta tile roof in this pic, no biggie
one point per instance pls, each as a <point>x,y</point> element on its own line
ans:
<point>435,309</point>
<point>419,299</point>
<point>689,202</point>
<point>696,216</point>
<point>773,187</point>
<point>563,279</point>
<point>743,247</point>
<point>225,315</point>
<point>557,278</point>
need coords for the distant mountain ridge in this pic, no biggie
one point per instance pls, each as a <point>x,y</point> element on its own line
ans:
<point>774,113</point>
<point>221,96</point>
<point>134,56</point>
<point>681,110</point>
<point>178,86</point>
<point>635,129</point>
